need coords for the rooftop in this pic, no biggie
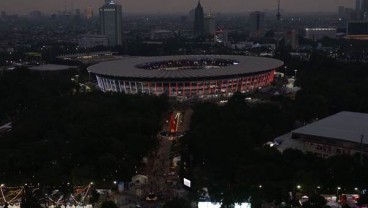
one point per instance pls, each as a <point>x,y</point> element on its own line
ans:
<point>128,67</point>
<point>51,67</point>
<point>348,126</point>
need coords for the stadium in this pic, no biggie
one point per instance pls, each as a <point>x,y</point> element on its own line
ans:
<point>186,77</point>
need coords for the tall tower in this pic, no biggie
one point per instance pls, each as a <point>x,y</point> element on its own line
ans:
<point>111,22</point>
<point>278,15</point>
<point>257,23</point>
<point>198,20</point>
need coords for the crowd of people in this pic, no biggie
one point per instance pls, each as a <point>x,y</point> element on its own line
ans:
<point>186,64</point>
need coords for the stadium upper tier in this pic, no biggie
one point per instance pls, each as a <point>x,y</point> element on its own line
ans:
<point>193,66</point>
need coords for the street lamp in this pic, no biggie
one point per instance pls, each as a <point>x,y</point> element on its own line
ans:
<point>295,71</point>
<point>337,193</point>
<point>298,186</point>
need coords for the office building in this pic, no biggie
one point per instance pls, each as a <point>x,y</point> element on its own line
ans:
<point>111,22</point>
<point>198,20</point>
<point>357,28</point>
<point>291,38</point>
<point>257,23</point>
<point>209,25</point>
<point>91,41</point>
<point>361,8</point>
<point>341,12</point>
<point>89,13</point>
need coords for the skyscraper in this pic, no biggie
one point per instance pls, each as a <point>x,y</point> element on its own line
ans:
<point>198,20</point>
<point>111,22</point>
<point>89,12</point>
<point>209,25</point>
<point>257,23</point>
<point>362,8</point>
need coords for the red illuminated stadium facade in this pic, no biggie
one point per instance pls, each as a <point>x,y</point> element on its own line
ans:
<point>186,77</point>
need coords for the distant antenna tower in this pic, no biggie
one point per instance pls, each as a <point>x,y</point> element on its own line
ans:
<point>278,15</point>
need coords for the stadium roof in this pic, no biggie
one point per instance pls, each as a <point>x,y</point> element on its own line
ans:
<point>348,126</point>
<point>127,67</point>
<point>51,67</point>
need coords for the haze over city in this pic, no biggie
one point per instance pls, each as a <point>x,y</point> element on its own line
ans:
<point>170,6</point>
<point>183,103</point>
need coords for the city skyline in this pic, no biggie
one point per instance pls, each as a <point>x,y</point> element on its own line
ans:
<point>181,6</point>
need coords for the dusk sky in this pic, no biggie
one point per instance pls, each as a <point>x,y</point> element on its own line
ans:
<point>169,6</point>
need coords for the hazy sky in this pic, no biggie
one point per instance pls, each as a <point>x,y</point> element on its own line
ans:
<point>169,6</point>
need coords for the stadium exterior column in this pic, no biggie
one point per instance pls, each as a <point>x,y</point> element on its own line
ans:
<point>125,90</point>
<point>190,88</point>
<point>232,85</point>
<point>197,87</point>
<point>203,87</point>
<point>149,90</point>
<point>176,88</point>
<point>169,89</point>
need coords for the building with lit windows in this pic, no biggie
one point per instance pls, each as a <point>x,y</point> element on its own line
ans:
<point>111,22</point>
<point>319,33</point>
<point>186,77</point>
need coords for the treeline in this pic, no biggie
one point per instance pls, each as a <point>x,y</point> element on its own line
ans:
<point>225,152</point>
<point>20,88</point>
<point>224,147</point>
<point>329,87</point>
<point>59,136</point>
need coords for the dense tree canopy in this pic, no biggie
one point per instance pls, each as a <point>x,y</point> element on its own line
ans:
<point>227,155</point>
<point>59,136</point>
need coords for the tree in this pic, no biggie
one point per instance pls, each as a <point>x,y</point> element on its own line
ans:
<point>315,201</point>
<point>177,203</point>
<point>109,204</point>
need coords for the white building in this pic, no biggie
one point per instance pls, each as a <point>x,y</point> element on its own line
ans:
<point>319,33</point>
<point>91,41</point>
<point>161,34</point>
<point>341,133</point>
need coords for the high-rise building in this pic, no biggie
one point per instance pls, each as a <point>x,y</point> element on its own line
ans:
<point>361,7</point>
<point>3,14</point>
<point>111,22</point>
<point>198,20</point>
<point>291,39</point>
<point>209,25</point>
<point>357,28</point>
<point>341,12</point>
<point>257,23</point>
<point>89,12</point>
